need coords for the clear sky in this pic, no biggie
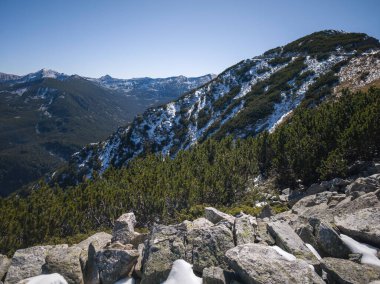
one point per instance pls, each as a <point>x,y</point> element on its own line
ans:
<point>160,38</point>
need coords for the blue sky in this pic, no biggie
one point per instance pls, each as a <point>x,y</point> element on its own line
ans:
<point>160,38</point>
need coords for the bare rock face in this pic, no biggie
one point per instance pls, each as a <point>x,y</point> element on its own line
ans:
<point>363,225</point>
<point>346,271</point>
<point>28,262</point>
<point>244,229</point>
<point>256,263</point>
<point>66,262</point>
<point>115,262</point>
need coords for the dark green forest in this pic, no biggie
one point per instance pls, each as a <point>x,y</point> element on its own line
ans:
<point>315,143</point>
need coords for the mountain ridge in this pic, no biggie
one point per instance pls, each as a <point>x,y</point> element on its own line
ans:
<point>251,96</point>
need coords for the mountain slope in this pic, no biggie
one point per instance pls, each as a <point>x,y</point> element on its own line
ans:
<point>46,116</point>
<point>246,99</point>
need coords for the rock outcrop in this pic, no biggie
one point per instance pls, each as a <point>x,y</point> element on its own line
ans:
<point>5,262</point>
<point>28,262</point>
<point>256,263</point>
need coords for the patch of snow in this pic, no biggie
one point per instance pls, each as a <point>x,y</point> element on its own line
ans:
<point>182,273</point>
<point>284,254</point>
<point>54,278</point>
<point>314,251</point>
<point>19,92</point>
<point>128,280</point>
<point>369,253</point>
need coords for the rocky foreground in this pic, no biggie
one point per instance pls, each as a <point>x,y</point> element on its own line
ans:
<point>330,235</point>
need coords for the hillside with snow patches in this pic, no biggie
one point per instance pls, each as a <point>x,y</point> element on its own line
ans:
<point>46,116</point>
<point>250,97</point>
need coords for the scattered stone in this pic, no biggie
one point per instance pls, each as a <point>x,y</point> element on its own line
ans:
<point>346,271</point>
<point>215,216</point>
<point>328,240</point>
<point>266,212</point>
<point>124,228</point>
<point>65,262</point>
<point>206,246</point>
<point>115,262</point>
<point>256,263</point>
<point>367,184</point>
<point>262,234</point>
<point>288,240</point>
<point>28,262</point>
<point>363,225</point>
<point>164,246</point>
<point>216,275</point>
<point>244,229</point>
<point>355,257</point>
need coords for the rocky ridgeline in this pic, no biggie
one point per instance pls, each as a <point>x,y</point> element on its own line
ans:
<point>330,235</point>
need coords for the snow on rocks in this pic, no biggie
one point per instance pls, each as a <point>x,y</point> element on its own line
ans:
<point>53,278</point>
<point>369,253</point>
<point>182,272</point>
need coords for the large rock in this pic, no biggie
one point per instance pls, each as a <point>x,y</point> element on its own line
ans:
<point>288,240</point>
<point>124,228</point>
<point>164,246</point>
<point>206,246</point>
<point>363,225</point>
<point>115,262</point>
<point>216,275</point>
<point>367,184</point>
<point>345,271</point>
<point>256,263</point>
<point>262,234</point>
<point>215,216</point>
<point>99,239</point>
<point>328,240</point>
<point>28,262</point>
<point>65,262</point>
<point>197,224</point>
<point>244,229</point>
<point>5,262</point>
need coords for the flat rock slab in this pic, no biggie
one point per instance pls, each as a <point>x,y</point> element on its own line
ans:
<point>256,263</point>
<point>363,225</point>
<point>287,239</point>
<point>346,271</point>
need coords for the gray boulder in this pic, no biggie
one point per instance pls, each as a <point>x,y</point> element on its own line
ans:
<point>363,225</point>
<point>256,263</point>
<point>216,275</point>
<point>65,262</point>
<point>165,245</point>
<point>266,212</point>
<point>5,262</point>
<point>346,271</point>
<point>328,240</point>
<point>262,234</point>
<point>124,229</point>
<point>215,216</point>
<point>288,240</point>
<point>115,262</point>
<point>206,246</point>
<point>244,229</point>
<point>99,241</point>
<point>28,262</point>
<point>197,224</point>
<point>367,184</point>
